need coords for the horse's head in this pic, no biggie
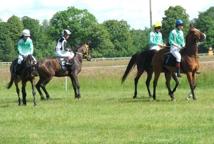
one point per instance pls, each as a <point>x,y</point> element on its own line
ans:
<point>84,49</point>
<point>196,35</point>
<point>30,64</point>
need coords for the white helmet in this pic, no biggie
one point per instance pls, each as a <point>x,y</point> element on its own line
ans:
<point>26,32</point>
<point>66,31</point>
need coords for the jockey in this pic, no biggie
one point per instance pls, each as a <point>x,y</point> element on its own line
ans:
<point>61,46</point>
<point>177,42</point>
<point>25,46</point>
<point>155,38</point>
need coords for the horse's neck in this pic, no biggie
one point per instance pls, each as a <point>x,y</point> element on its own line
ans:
<point>79,57</point>
<point>191,48</point>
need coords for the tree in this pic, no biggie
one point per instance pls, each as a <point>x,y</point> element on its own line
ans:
<point>43,44</point>
<point>15,26</point>
<point>120,36</point>
<point>101,44</point>
<point>168,22</point>
<point>79,22</point>
<point>205,22</point>
<point>140,39</point>
<point>7,50</point>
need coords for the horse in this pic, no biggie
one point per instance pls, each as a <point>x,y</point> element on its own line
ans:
<point>143,61</point>
<point>189,63</point>
<point>27,73</point>
<point>50,67</point>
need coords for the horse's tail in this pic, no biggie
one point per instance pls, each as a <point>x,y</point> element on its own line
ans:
<point>131,65</point>
<point>11,76</point>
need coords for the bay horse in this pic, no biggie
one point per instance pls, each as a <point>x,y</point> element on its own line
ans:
<point>50,67</point>
<point>189,63</point>
<point>27,73</point>
<point>143,62</point>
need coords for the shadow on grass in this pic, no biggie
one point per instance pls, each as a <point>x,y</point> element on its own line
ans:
<point>141,99</point>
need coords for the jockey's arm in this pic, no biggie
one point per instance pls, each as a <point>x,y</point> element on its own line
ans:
<point>31,48</point>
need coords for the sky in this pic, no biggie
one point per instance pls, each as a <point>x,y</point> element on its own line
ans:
<point>135,12</point>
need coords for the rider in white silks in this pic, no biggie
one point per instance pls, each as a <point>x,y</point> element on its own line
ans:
<point>61,46</point>
<point>177,42</point>
<point>155,38</point>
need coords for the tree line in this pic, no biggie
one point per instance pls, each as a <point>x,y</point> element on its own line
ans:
<point>112,38</point>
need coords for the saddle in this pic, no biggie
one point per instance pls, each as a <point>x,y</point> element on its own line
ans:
<point>169,60</point>
<point>65,63</point>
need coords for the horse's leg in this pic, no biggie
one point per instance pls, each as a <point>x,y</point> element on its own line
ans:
<point>18,92</point>
<point>76,85</point>
<point>43,85</point>
<point>191,84</point>
<point>168,79</point>
<point>24,93</point>
<point>38,87</point>
<point>33,91</point>
<point>148,80</point>
<point>194,79</point>
<point>176,82</point>
<point>139,73</point>
<point>155,81</point>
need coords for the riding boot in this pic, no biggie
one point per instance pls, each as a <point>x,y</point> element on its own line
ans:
<point>178,69</point>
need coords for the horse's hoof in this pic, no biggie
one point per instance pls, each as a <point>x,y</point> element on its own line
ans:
<point>42,98</point>
<point>134,97</point>
<point>151,99</point>
<point>77,96</point>
<point>173,99</point>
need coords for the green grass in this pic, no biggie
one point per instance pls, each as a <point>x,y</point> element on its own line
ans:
<point>107,114</point>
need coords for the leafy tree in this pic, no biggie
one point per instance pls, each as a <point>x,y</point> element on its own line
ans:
<point>101,43</point>
<point>168,22</point>
<point>140,39</point>
<point>79,22</point>
<point>120,36</point>
<point>205,22</point>
<point>7,51</point>
<point>15,26</point>
<point>43,45</point>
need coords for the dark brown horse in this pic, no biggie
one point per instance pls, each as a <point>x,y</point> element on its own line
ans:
<point>27,73</point>
<point>143,61</point>
<point>50,67</point>
<point>189,63</point>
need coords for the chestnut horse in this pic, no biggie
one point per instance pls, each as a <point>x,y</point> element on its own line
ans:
<point>50,67</point>
<point>189,63</point>
<point>27,73</point>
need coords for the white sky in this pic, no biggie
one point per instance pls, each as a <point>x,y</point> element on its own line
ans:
<point>135,12</point>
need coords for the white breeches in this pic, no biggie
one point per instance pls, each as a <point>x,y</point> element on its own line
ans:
<point>21,58</point>
<point>67,54</point>
<point>157,48</point>
<point>175,51</point>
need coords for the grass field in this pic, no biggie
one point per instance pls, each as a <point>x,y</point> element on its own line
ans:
<point>107,114</point>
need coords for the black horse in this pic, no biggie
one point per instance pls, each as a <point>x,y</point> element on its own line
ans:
<point>50,67</point>
<point>27,72</point>
<point>143,61</point>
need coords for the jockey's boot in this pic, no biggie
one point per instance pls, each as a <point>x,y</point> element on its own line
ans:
<point>178,69</point>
